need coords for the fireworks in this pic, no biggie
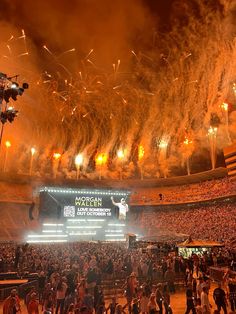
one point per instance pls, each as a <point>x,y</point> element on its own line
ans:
<point>121,154</point>
<point>225,106</point>
<point>163,144</point>
<point>101,159</point>
<point>140,152</point>
<point>212,133</point>
<point>33,151</point>
<point>8,144</point>
<point>79,160</point>
<point>56,156</point>
<point>152,97</point>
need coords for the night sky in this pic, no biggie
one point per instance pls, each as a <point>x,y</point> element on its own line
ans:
<point>110,27</point>
<point>161,66</point>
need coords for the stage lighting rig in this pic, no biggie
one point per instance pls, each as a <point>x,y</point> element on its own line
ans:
<point>8,115</point>
<point>13,90</point>
<point>9,89</point>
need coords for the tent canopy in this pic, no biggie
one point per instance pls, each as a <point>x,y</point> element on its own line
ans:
<point>199,243</point>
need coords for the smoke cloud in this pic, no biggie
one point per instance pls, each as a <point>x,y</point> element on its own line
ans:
<point>104,77</point>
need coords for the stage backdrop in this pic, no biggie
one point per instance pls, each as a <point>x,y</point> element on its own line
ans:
<point>83,203</point>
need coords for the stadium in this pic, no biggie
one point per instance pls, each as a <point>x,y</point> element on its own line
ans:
<point>117,157</point>
<point>162,213</point>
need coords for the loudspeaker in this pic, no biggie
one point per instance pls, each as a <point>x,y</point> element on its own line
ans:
<point>59,209</point>
<point>31,209</point>
<point>131,241</point>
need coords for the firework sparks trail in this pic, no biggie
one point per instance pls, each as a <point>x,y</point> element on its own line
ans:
<point>163,97</point>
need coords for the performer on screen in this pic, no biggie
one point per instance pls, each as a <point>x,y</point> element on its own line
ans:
<point>123,208</point>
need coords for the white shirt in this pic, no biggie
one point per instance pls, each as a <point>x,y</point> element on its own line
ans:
<point>123,208</point>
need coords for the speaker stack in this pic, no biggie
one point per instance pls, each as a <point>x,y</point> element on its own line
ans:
<point>131,240</point>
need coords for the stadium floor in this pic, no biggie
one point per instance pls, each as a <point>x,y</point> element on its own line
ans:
<point>178,302</point>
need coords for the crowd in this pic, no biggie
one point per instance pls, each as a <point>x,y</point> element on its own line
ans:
<point>140,196</point>
<point>185,193</point>
<point>216,222</point>
<point>71,277</point>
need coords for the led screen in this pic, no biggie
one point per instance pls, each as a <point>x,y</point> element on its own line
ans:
<point>81,203</point>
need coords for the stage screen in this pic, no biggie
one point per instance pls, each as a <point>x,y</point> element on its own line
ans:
<point>83,203</point>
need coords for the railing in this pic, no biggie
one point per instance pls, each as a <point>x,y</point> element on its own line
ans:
<point>114,285</point>
<point>4,293</point>
<point>22,290</point>
<point>218,273</point>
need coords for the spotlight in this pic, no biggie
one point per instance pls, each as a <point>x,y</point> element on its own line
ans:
<point>14,90</point>
<point>14,85</point>
<point>8,115</point>
<point>3,78</point>
<point>25,85</point>
<point>9,89</point>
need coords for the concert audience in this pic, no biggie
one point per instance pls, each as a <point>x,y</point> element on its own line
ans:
<point>71,274</point>
<point>68,283</point>
<point>217,222</point>
<point>184,193</point>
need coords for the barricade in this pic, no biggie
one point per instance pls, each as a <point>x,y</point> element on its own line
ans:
<point>22,290</point>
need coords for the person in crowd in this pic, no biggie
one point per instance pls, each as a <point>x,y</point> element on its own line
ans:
<point>131,286</point>
<point>71,309</point>
<point>188,275</point>
<point>46,291</point>
<point>11,304</point>
<point>220,298</point>
<point>152,305</point>
<point>144,302</point>
<point>60,295</point>
<point>98,298</point>
<point>88,301</point>
<point>190,299</point>
<point>148,288</point>
<point>166,300</point>
<point>199,287</point>
<point>194,286</point>
<point>41,283</point>
<point>109,267</point>
<point>198,307</point>
<point>205,303</point>
<point>33,304</point>
<point>81,289</point>
<point>159,298</point>
<point>112,306</point>
<point>91,278</point>
<point>48,305</point>
<point>13,307</point>
<point>101,308</point>
<point>29,295</point>
<point>232,293</point>
<point>119,309</point>
<point>170,278</point>
<point>135,306</point>
<point>69,299</point>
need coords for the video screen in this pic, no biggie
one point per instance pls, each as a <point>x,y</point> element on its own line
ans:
<point>81,203</point>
